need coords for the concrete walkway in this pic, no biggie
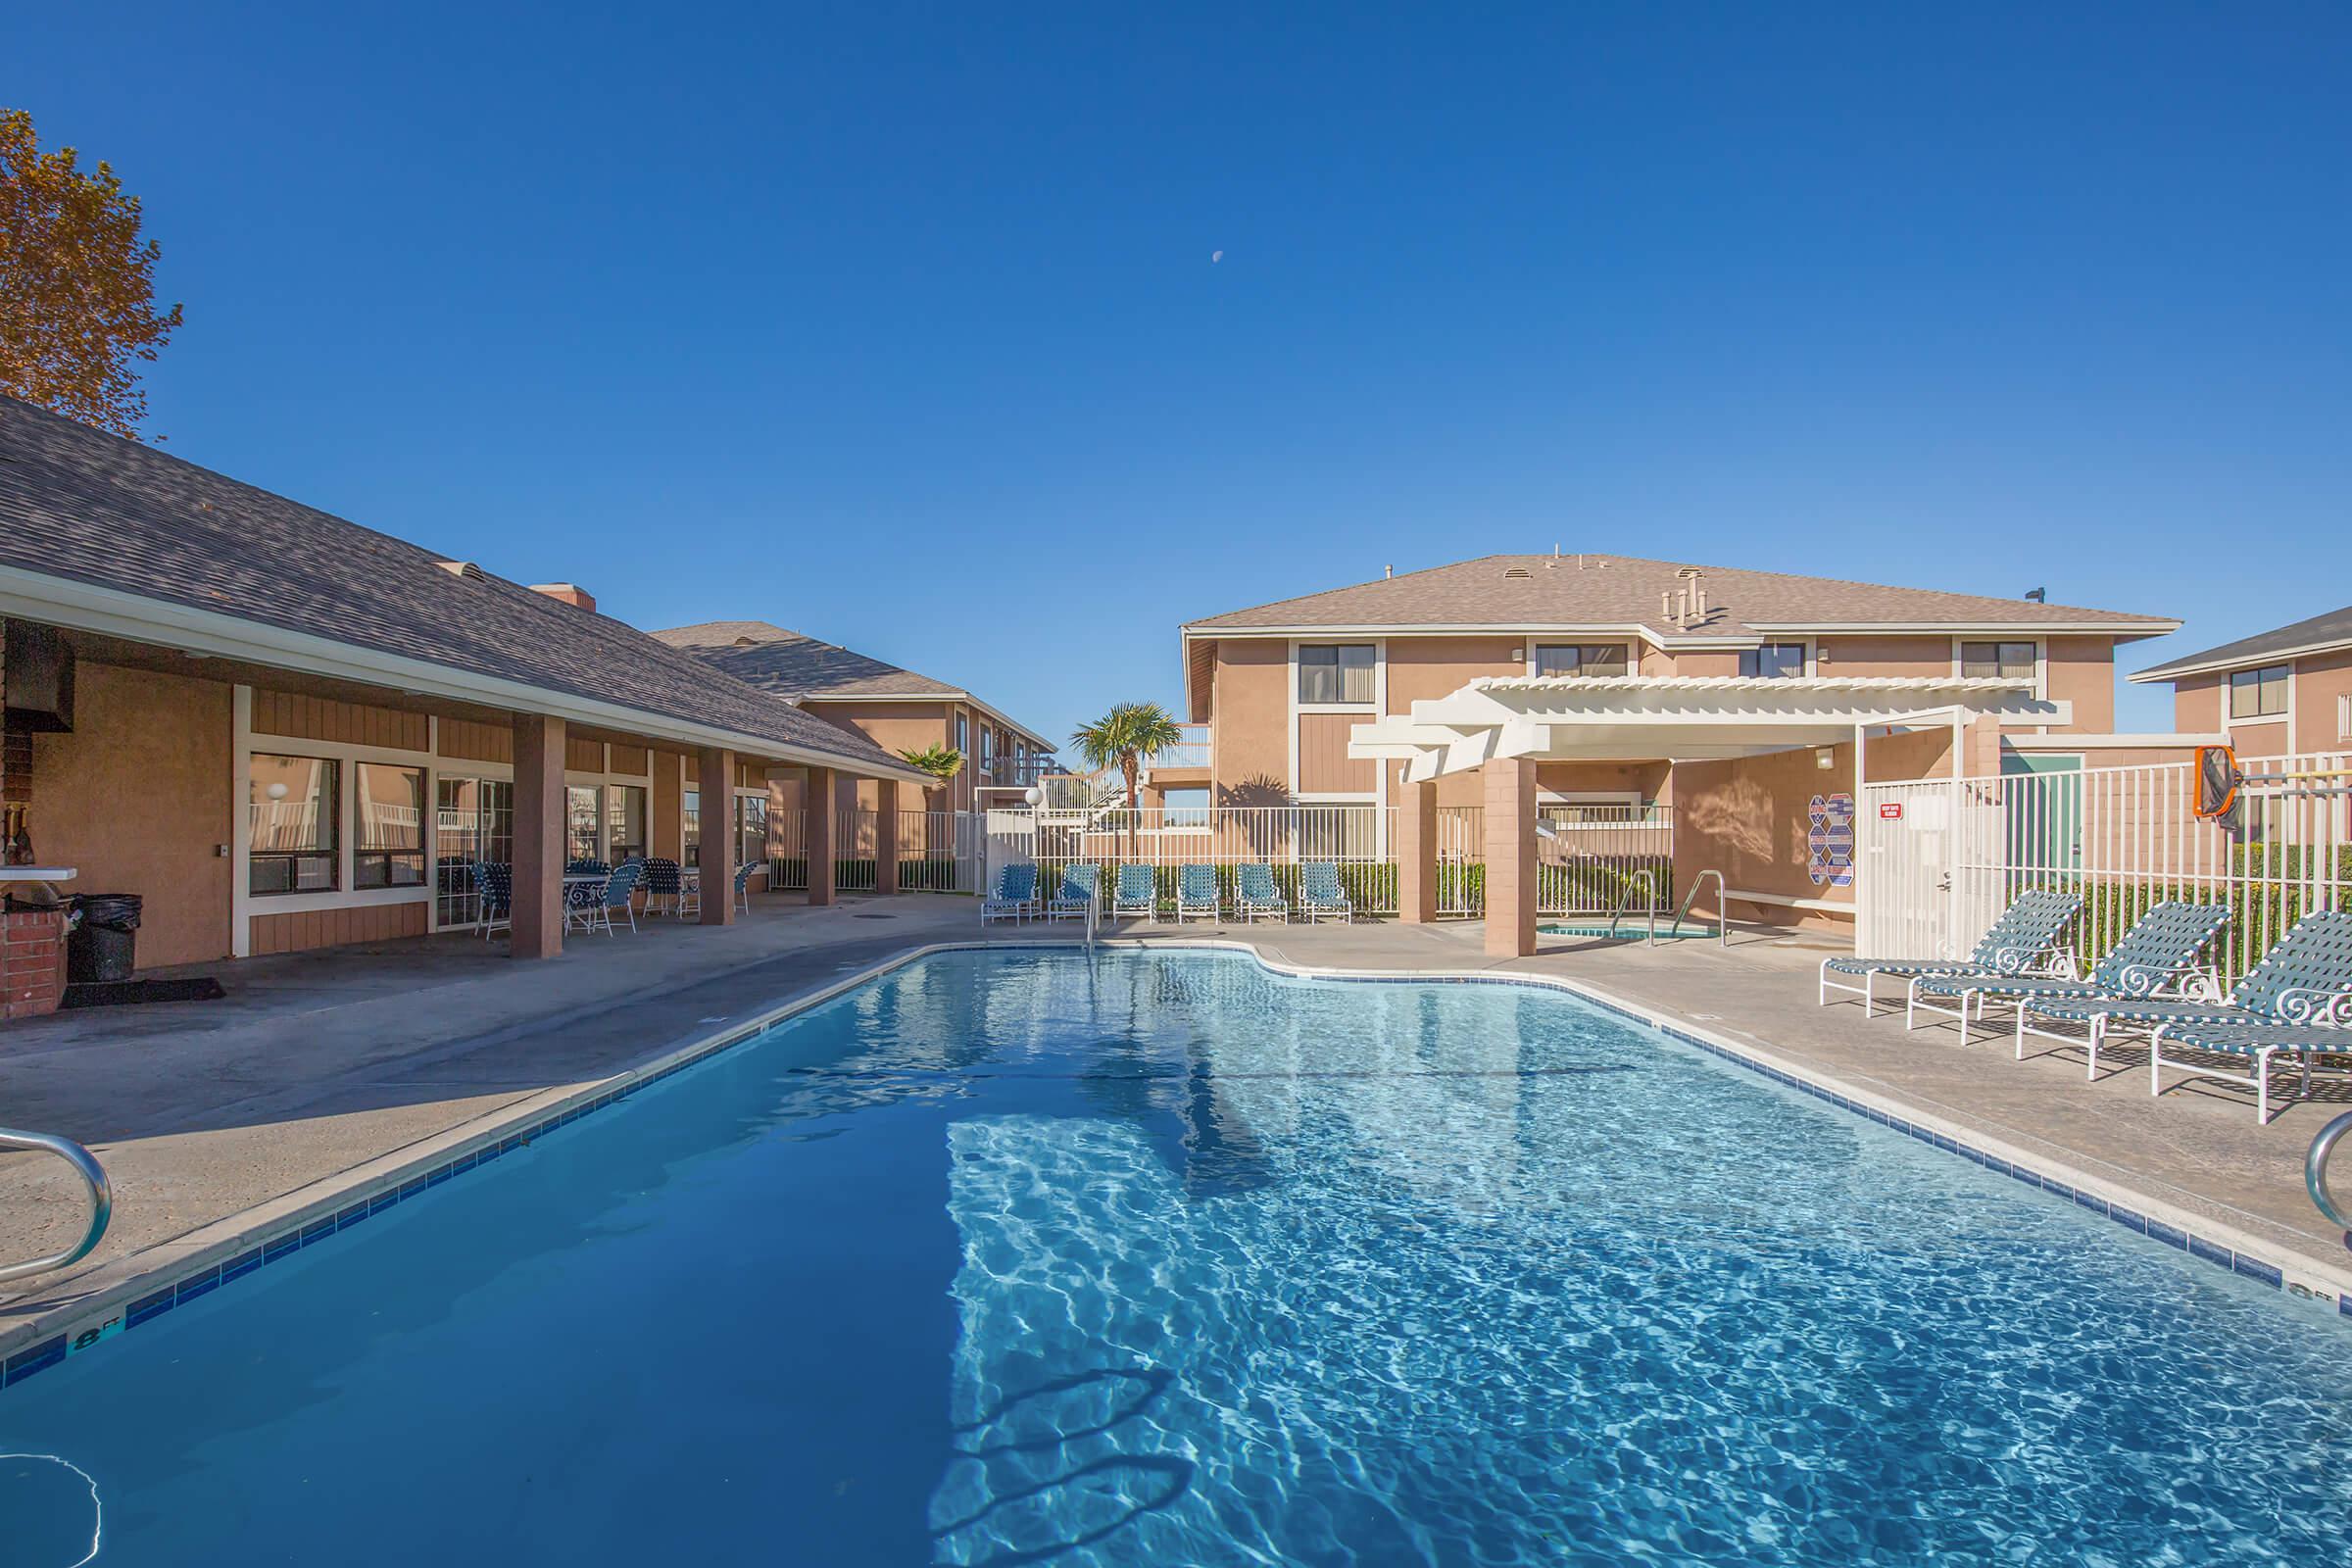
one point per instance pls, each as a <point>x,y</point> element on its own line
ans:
<point>316,1064</point>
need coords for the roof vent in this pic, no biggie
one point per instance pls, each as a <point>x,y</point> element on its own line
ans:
<point>463,568</point>
<point>567,593</point>
<point>1687,606</point>
<point>1518,571</point>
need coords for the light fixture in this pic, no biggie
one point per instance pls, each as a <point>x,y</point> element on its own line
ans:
<point>1824,758</point>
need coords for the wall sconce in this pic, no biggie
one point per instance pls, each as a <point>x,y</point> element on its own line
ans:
<point>1518,656</point>
<point>1824,758</point>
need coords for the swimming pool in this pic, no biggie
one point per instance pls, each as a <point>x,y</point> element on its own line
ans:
<point>1008,1257</point>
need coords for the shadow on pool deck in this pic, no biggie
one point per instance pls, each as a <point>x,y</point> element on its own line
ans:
<point>317,1063</point>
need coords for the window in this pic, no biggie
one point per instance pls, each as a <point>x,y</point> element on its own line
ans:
<point>580,824</point>
<point>624,821</point>
<point>963,736</point>
<point>475,822</point>
<point>2005,660</point>
<point>1774,661</point>
<point>390,851</point>
<point>293,805</point>
<point>2258,693</point>
<point>1336,672</point>
<point>1581,659</point>
<point>1185,808</point>
<point>750,830</point>
<point>690,818</point>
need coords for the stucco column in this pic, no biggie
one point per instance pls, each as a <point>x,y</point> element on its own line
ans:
<point>1417,852</point>
<point>537,873</point>
<point>825,809</point>
<point>885,834</point>
<point>715,858</point>
<point>1510,857</point>
<point>1980,753</point>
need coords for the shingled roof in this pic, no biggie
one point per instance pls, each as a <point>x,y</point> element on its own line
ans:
<point>1569,592</point>
<point>796,667</point>
<point>80,507</point>
<point>2318,634</point>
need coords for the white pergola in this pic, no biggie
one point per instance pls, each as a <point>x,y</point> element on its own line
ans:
<point>1505,725</point>
<point>1683,718</point>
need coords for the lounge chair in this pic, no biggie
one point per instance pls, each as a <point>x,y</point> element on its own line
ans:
<point>2157,956</point>
<point>1077,895</point>
<point>1256,895</point>
<point>1015,895</point>
<point>1196,892</point>
<point>494,892</point>
<point>2298,987</point>
<point>1137,892</point>
<point>2022,941</point>
<point>619,895</point>
<point>1320,893</point>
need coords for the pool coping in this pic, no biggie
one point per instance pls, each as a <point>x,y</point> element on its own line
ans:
<point>143,1286</point>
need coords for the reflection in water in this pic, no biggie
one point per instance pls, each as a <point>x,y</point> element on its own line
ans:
<point>21,1518</point>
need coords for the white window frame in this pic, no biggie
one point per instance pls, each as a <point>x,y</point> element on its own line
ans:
<point>1812,655</point>
<point>1631,648</point>
<point>1378,795</point>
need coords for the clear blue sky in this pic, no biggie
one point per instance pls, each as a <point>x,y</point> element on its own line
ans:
<point>901,326</point>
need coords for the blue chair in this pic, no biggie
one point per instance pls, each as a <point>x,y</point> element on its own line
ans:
<point>1015,897</point>
<point>2023,941</point>
<point>743,883</point>
<point>665,884</point>
<point>2157,956</point>
<point>1195,891</point>
<point>1320,893</point>
<point>581,899</point>
<point>618,891</point>
<point>1135,893</point>
<point>1079,884</point>
<point>1256,894</point>
<point>494,892</point>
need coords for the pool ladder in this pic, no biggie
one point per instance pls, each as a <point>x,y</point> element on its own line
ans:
<point>93,1179</point>
<point>1640,881</point>
<point>2314,1172</point>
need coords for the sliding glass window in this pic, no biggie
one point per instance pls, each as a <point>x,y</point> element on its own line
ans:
<point>293,809</point>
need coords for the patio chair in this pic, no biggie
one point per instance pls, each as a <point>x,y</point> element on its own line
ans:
<point>1320,893</point>
<point>2293,1003</point>
<point>618,894</point>
<point>494,892</point>
<point>743,885</point>
<point>1137,892</point>
<point>583,899</point>
<point>1079,880</point>
<point>690,891</point>
<point>586,867</point>
<point>1016,894</point>
<point>2022,941</point>
<point>665,882</point>
<point>2157,956</point>
<point>1256,895</point>
<point>1195,891</point>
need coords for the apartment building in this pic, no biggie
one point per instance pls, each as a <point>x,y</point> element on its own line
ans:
<point>2287,690</point>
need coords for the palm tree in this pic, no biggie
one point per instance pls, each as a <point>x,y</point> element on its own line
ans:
<point>942,763</point>
<point>1125,736</point>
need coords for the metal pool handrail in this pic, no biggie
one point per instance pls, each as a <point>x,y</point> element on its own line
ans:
<point>1723,907</point>
<point>2314,1172</point>
<point>93,1176</point>
<point>1641,878</point>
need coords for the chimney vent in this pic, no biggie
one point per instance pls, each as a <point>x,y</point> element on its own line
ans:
<point>1388,570</point>
<point>569,593</point>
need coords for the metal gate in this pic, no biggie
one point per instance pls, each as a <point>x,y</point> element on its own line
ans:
<point>1905,887</point>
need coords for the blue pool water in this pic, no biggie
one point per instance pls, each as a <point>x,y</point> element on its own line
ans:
<point>1007,1259</point>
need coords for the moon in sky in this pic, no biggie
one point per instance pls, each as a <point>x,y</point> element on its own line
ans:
<point>1214,257</point>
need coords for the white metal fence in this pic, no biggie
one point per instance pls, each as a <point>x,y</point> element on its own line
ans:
<point>1587,859</point>
<point>1943,858</point>
<point>1355,838</point>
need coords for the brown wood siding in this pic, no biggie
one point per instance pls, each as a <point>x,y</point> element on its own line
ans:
<point>583,757</point>
<point>319,719</point>
<point>1324,766</point>
<point>634,759</point>
<point>300,930</point>
<point>478,742</point>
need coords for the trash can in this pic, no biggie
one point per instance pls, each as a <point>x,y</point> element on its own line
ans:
<point>105,943</point>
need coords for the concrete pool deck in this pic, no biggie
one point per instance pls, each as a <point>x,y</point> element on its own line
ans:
<point>317,1069</point>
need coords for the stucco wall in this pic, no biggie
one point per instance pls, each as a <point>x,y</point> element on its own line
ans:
<point>137,798</point>
<point>2082,670</point>
<point>1251,708</point>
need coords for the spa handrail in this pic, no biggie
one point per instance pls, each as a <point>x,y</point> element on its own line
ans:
<point>93,1177</point>
<point>1640,879</point>
<point>2314,1172</point>
<point>1723,907</point>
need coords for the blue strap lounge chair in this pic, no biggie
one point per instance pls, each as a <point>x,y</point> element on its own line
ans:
<point>1137,892</point>
<point>617,895</point>
<point>1320,893</point>
<point>494,891</point>
<point>1196,892</point>
<point>1015,895</point>
<point>1256,894</point>
<point>665,884</point>
<point>1078,886</point>
<point>2298,986</point>
<point>2156,957</point>
<point>2022,941</point>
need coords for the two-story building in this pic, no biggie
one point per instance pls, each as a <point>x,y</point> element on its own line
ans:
<point>894,708</point>
<point>2287,690</point>
<point>1281,687</point>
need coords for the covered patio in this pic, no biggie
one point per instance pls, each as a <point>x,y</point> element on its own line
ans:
<point>1745,749</point>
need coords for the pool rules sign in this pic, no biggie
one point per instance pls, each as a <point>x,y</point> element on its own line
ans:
<point>1830,840</point>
